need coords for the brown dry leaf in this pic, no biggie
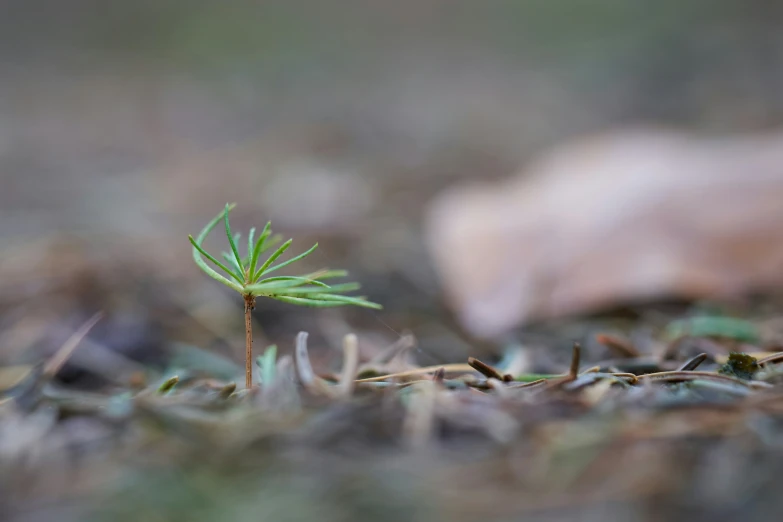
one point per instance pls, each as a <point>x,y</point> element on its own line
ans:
<point>633,215</point>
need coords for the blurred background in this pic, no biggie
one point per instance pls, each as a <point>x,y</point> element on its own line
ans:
<point>126,126</point>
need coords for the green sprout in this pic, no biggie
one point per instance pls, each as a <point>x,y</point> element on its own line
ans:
<point>250,277</point>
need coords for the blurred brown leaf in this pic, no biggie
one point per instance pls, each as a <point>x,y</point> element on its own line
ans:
<point>634,215</point>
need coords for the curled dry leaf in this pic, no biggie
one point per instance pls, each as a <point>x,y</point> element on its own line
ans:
<point>628,216</point>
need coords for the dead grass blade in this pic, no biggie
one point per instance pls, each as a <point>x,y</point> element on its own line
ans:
<point>447,368</point>
<point>56,361</point>
<point>774,358</point>
<point>401,346</point>
<point>532,384</point>
<point>677,376</point>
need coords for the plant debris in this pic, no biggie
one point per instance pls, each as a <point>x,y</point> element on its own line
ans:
<point>453,441</point>
<point>740,365</point>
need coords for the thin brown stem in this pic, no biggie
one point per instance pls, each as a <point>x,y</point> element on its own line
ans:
<point>250,303</point>
<point>488,371</point>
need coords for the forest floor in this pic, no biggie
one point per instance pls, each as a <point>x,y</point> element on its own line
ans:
<point>653,414</point>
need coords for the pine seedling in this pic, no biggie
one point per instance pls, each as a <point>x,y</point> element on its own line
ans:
<point>249,276</point>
